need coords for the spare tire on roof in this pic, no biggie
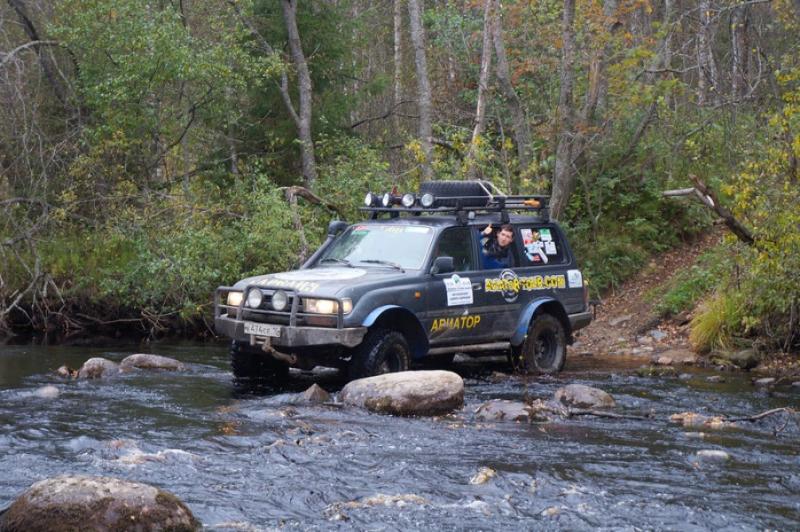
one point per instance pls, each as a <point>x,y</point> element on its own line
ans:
<point>449,189</point>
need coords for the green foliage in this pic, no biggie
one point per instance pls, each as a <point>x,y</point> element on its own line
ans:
<point>349,168</point>
<point>687,287</point>
<point>718,321</point>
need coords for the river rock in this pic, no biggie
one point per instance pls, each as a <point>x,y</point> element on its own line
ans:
<point>67,372</point>
<point>408,393</point>
<point>145,361</point>
<point>744,359</point>
<point>315,395</point>
<point>97,368</point>
<point>503,410</point>
<point>96,503</point>
<point>675,356</point>
<point>766,381</point>
<point>581,396</point>
<point>713,455</point>
<point>47,392</point>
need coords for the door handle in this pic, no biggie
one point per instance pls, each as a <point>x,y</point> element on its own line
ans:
<point>476,286</point>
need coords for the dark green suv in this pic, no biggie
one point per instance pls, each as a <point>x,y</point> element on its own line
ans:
<point>421,277</point>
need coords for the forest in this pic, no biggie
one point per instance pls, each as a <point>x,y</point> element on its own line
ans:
<point>150,151</point>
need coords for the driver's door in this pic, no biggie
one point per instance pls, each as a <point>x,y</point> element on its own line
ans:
<point>453,314</point>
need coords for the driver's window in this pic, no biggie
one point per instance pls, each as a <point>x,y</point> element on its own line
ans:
<point>456,242</point>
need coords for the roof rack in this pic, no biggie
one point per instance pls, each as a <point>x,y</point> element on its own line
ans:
<point>484,197</point>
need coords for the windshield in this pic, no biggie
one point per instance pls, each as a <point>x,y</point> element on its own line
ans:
<point>404,246</point>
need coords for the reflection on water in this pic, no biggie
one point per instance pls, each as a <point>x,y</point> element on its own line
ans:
<point>242,459</point>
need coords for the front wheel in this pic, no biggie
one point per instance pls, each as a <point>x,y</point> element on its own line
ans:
<point>545,347</point>
<point>381,351</point>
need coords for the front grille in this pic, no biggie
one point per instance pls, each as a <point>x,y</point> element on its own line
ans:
<point>292,316</point>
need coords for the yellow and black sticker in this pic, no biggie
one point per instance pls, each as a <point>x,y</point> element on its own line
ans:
<point>526,284</point>
<point>455,323</point>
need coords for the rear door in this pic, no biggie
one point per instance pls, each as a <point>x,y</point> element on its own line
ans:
<point>545,266</point>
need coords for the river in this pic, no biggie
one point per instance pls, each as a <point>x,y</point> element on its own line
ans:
<point>248,461</point>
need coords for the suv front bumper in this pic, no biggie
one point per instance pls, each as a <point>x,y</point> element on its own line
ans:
<point>293,336</point>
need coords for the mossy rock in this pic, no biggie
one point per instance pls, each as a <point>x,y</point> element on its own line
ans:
<point>77,502</point>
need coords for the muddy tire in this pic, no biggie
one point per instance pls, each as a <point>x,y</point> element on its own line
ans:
<point>544,349</point>
<point>381,351</point>
<point>252,365</point>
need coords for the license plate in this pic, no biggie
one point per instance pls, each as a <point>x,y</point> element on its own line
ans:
<point>262,329</point>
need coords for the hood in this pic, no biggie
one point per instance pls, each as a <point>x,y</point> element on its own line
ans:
<point>328,281</point>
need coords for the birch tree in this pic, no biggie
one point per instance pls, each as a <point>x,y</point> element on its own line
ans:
<point>425,130</point>
<point>564,175</point>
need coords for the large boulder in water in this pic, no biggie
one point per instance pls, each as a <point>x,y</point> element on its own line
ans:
<point>96,503</point>
<point>144,361</point>
<point>408,393</point>
<point>581,396</point>
<point>97,368</point>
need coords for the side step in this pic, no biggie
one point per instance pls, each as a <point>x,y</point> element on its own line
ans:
<point>472,348</point>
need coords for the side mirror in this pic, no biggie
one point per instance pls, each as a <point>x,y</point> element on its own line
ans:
<point>442,265</point>
<point>336,227</point>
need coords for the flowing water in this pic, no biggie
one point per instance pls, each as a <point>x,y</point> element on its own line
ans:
<point>244,461</point>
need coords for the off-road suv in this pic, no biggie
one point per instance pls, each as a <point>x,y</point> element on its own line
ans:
<point>412,281</point>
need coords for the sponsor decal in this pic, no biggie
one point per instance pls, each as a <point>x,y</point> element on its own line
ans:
<point>455,323</point>
<point>459,290</point>
<point>525,284</point>
<point>575,278</point>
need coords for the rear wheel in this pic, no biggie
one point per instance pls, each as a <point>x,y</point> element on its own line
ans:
<point>252,365</point>
<point>544,349</point>
<point>381,351</point>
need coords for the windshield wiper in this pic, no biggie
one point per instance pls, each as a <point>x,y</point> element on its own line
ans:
<point>337,261</point>
<point>384,262</point>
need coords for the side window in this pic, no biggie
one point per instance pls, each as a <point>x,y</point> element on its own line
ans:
<point>498,247</point>
<point>456,243</point>
<point>541,246</point>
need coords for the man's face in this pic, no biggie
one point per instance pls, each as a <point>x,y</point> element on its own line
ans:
<point>504,238</point>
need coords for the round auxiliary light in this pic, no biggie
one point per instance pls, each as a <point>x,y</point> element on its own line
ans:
<point>370,199</point>
<point>387,200</point>
<point>280,300</point>
<point>427,200</point>
<point>408,200</point>
<point>254,298</point>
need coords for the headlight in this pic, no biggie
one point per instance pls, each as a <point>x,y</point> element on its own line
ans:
<point>234,299</point>
<point>386,201</point>
<point>279,300</point>
<point>327,306</point>
<point>408,200</point>
<point>254,298</point>
<point>426,200</point>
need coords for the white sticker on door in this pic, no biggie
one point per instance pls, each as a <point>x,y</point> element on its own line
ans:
<point>459,290</point>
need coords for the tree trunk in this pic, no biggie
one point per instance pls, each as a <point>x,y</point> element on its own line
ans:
<point>564,176</point>
<point>483,88</point>
<point>305,93</point>
<point>49,67</point>
<point>739,52</point>
<point>519,123</point>
<point>398,62</point>
<point>423,87</point>
<point>708,80</point>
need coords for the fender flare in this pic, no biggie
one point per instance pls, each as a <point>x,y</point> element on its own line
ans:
<point>525,319</point>
<point>412,328</point>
